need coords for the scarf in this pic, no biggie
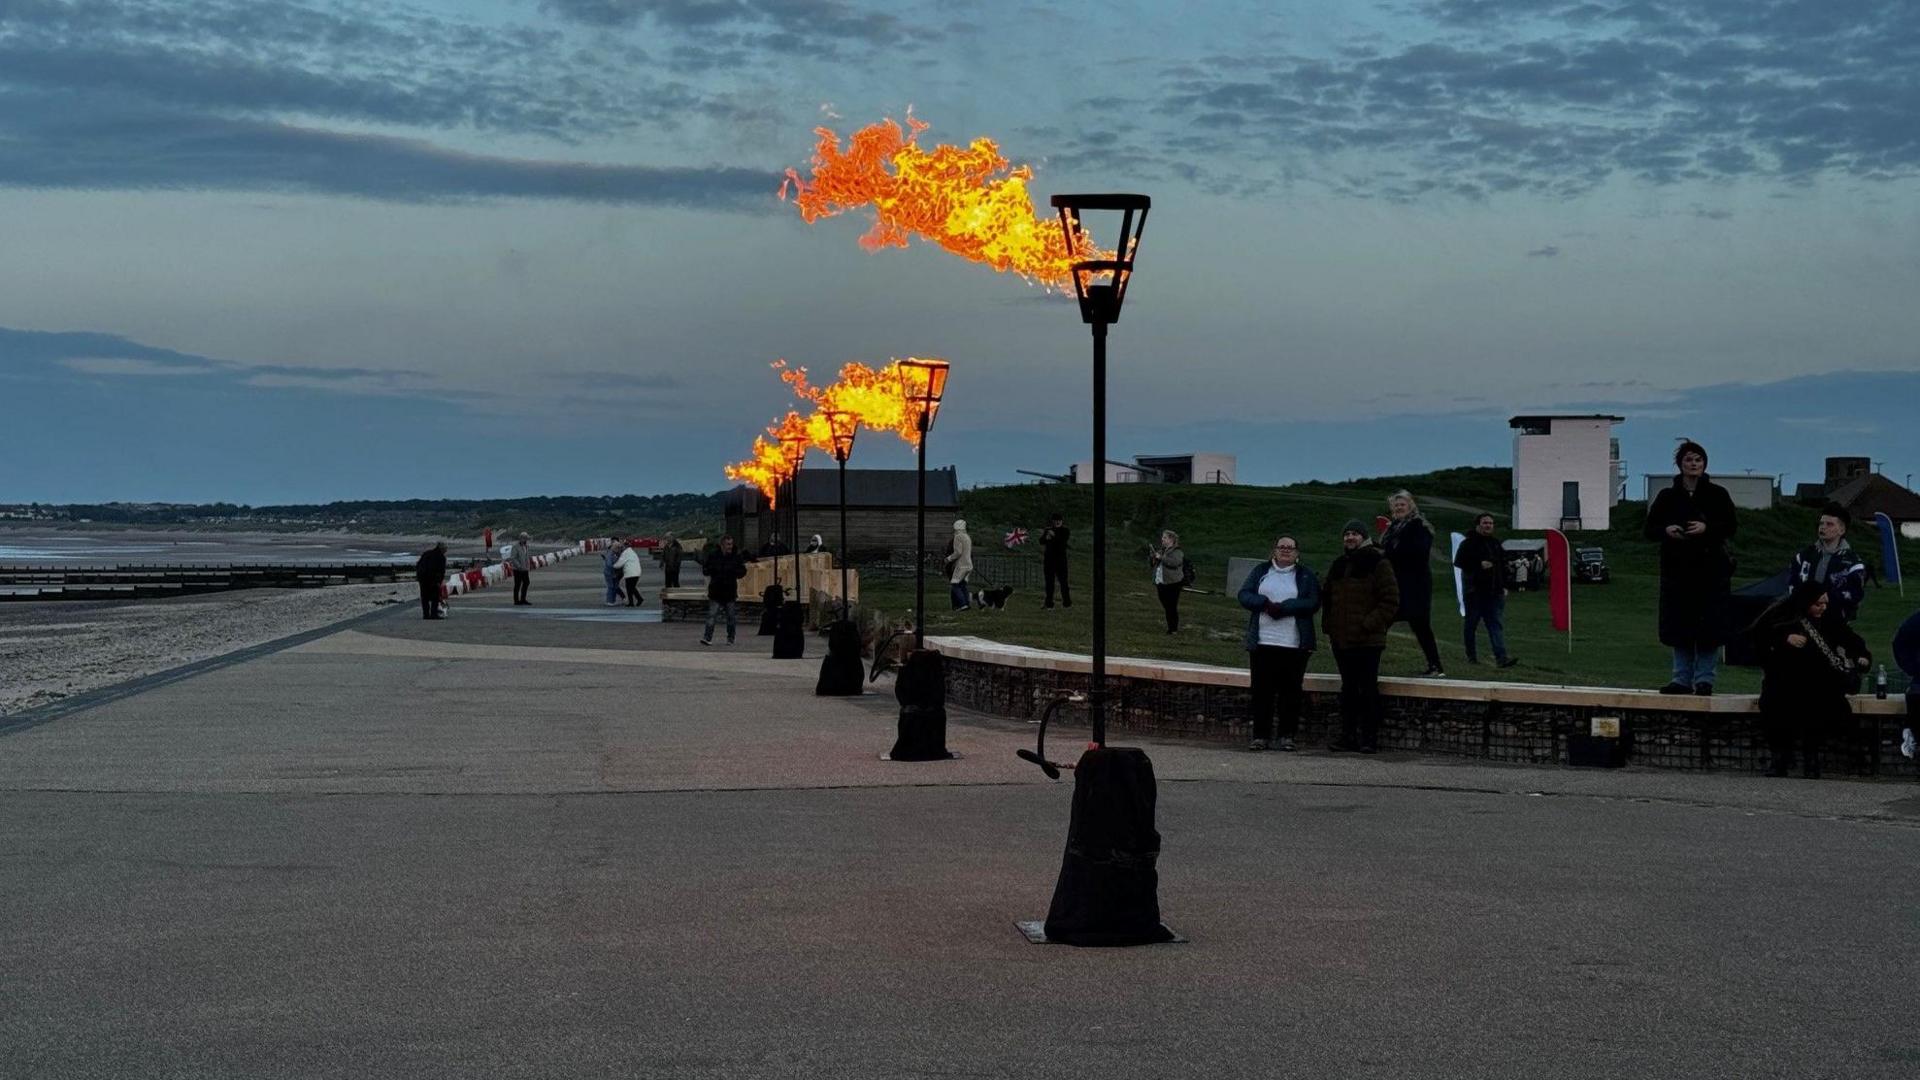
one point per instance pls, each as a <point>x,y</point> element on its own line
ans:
<point>1836,658</point>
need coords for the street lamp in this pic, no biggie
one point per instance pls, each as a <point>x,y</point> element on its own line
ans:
<point>841,670</point>
<point>921,687</point>
<point>844,426</point>
<point>1108,890</point>
<point>924,384</point>
<point>789,638</point>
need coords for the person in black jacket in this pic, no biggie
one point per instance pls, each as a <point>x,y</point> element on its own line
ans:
<point>725,567</point>
<point>1812,660</point>
<point>1408,544</point>
<point>1053,559</point>
<point>1692,521</point>
<point>431,572</point>
<point>1482,563</point>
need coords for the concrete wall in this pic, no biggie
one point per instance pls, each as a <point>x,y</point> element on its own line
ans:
<point>1577,450</point>
<point>1116,474</point>
<point>1490,721</point>
<point>1205,466</point>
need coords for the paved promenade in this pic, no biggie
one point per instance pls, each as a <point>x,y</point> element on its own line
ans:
<point>567,841</point>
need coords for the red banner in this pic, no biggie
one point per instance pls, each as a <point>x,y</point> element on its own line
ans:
<point>1560,580</point>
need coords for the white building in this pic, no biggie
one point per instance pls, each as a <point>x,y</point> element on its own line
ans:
<point>1749,492</point>
<point>1164,469</point>
<point>1567,472</point>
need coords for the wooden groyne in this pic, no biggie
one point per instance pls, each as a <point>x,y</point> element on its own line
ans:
<point>146,580</point>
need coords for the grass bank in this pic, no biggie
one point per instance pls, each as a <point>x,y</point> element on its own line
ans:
<point>1614,641</point>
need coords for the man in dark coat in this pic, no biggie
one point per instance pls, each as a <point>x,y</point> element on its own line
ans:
<point>1693,521</point>
<point>725,568</point>
<point>1482,561</point>
<point>1358,600</point>
<point>670,556</point>
<point>431,572</point>
<point>1053,559</point>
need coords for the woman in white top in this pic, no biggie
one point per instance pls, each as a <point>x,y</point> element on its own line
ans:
<point>629,566</point>
<point>1280,596</point>
<point>960,564</point>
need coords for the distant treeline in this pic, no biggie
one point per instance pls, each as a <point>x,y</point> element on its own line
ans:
<point>545,516</point>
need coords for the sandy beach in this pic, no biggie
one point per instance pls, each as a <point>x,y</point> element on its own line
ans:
<point>50,651</point>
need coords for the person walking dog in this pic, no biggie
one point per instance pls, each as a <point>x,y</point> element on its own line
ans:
<point>959,565</point>
<point>1280,597</point>
<point>1357,604</point>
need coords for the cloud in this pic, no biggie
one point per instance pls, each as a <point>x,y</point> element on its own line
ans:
<point>244,95</point>
<point>133,365</point>
<point>816,27</point>
<point>122,149</point>
<point>1491,96</point>
<point>1547,252</point>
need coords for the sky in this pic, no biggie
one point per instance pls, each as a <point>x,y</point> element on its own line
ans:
<point>297,250</point>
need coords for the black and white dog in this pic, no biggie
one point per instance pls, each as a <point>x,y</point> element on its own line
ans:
<point>993,598</point>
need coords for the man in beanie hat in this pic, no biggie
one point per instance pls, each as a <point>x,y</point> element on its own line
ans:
<point>1358,601</point>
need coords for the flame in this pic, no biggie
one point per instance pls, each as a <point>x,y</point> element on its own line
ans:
<point>876,398</point>
<point>969,200</point>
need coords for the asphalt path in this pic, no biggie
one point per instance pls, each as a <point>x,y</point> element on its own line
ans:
<point>568,841</point>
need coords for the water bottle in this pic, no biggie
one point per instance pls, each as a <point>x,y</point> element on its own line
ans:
<point>1880,683</point>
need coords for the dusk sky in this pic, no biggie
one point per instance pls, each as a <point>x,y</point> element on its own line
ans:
<point>294,250</point>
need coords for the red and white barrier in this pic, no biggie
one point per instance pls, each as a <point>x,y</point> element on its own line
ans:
<point>466,581</point>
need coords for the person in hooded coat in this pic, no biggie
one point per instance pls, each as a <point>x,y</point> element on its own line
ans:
<point>1693,521</point>
<point>1358,600</point>
<point>629,567</point>
<point>431,572</point>
<point>1812,660</point>
<point>959,565</point>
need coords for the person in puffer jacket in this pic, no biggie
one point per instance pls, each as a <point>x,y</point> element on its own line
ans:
<point>1358,601</point>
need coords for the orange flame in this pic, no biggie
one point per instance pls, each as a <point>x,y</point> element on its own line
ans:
<point>877,399</point>
<point>969,200</point>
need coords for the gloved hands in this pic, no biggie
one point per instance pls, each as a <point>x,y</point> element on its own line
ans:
<point>1274,610</point>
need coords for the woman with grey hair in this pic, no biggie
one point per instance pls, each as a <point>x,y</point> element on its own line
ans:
<point>1169,576</point>
<point>1408,545</point>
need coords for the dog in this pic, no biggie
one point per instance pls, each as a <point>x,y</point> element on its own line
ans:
<point>993,598</point>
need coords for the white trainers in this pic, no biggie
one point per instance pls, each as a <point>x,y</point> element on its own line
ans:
<point>1906,742</point>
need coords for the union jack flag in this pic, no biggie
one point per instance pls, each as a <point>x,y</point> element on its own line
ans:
<point>1016,537</point>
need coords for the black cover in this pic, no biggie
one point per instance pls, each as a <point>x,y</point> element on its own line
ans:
<point>790,636</point>
<point>1747,604</point>
<point>1109,888</point>
<point>921,689</point>
<point>770,599</point>
<point>842,672</point>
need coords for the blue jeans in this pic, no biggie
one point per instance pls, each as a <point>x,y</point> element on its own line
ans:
<point>961,597</point>
<point>612,577</point>
<point>713,614</point>
<point>1694,666</point>
<point>1491,610</point>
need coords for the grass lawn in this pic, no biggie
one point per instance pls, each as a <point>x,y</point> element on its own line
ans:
<point>1614,642</point>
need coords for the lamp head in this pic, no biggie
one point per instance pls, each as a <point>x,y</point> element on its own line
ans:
<point>1101,284</point>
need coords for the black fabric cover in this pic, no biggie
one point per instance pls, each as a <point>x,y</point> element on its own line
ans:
<point>790,636</point>
<point>1109,889</point>
<point>842,672</point>
<point>921,689</point>
<point>770,600</point>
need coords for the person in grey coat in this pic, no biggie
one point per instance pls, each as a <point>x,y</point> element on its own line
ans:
<point>521,562</point>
